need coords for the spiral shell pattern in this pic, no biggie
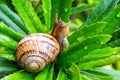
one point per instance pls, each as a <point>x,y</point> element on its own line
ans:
<point>35,51</point>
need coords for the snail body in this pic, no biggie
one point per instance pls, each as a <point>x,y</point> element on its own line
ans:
<point>60,32</point>
<point>35,51</point>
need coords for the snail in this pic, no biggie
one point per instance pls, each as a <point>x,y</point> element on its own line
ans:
<point>36,50</point>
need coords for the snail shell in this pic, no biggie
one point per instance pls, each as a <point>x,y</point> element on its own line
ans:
<point>35,51</point>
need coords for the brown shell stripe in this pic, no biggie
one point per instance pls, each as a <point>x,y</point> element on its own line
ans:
<point>22,44</point>
<point>51,38</point>
<point>33,41</point>
<point>26,53</point>
<point>55,40</point>
<point>34,60</point>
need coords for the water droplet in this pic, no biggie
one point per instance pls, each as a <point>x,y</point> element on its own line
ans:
<point>102,42</point>
<point>66,9</point>
<point>118,15</point>
<point>45,11</point>
<point>80,39</point>
<point>86,47</point>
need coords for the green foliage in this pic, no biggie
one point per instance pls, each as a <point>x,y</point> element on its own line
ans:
<point>45,74</point>
<point>54,9</point>
<point>7,42</point>
<point>63,7</point>
<point>64,10</point>
<point>113,21</point>
<point>10,32</point>
<point>101,11</point>
<point>87,31</point>
<point>114,43</point>
<point>7,3</point>
<point>98,54</point>
<point>80,9</point>
<point>101,74</point>
<point>19,75</point>
<point>51,72</point>
<point>79,50</point>
<point>113,73</point>
<point>11,19</point>
<point>7,66</point>
<point>3,2</point>
<point>8,55</point>
<point>61,75</point>
<point>74,72</point>
<point>105,61</point>
<point>92,74</point>
<point>27,13</point>
<point>47,12</point>
<point>92,45</point>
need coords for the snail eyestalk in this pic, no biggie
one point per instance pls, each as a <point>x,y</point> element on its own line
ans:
<point>60,32</point>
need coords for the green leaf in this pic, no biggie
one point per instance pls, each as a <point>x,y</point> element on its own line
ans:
<point>74,53</point>
<point>101,11</point>
<point>55,6</point>
<point>62,75</point>
<point>43,74</point>
<point>115,74</point>
<point>74,71</point>
<point>109,9</point>
<point>87,44</point>
<point>115,35</point>
<point>20,75</point>
<point>116,65</point>
<point>7,66</point>
<point>7,42</point>
<point>50,73</point>
<point>98,54</point>
<point>14,17</point>
<point>64,10</point>
<point>113,21</point>
<point>80,9</point>
<point>39,11</point>
<point>95,75</point>
<point>87,31</point>
<point>3,2</point>
<point>7,3</point>
<point>27,13</point>
<point>102,62</point>
<point>47,12</point>
<point>8,55</point>
<point>84,77</point>
<point>5,16</point>
<point>10,32</point>
<point>114,43</point>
